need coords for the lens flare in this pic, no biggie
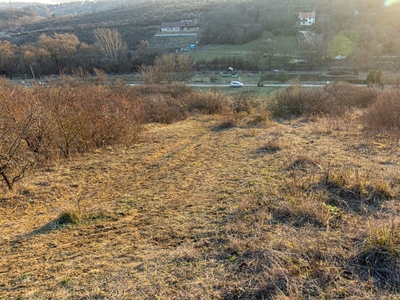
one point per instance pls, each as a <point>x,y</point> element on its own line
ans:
<point>391,2</point>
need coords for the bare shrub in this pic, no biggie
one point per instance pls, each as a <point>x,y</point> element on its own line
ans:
<point>230,120</point>
<point>67,119</point>
<point>164,109</point>
<point>112,118</point>
<point>212,102</point>
<point>75,119</point>
<point>334,99</point>
<point>246,101</point>
<point>168,68</point>
<point>384,115</point>
<point>19,117</point>
<point>375,78</point>
<point>174,90</point>
<point>345,95</point>
<point>391,79</point>
<point>262,118</point>
<point>297,101</point>
<point>179,100</point>
<point>166,103</point>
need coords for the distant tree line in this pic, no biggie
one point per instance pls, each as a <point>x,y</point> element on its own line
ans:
<point>133,23</point>
<point>59,44</point>
<point>65,53</point>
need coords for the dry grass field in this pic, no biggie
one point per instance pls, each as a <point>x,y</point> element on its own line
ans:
<point>304,208</point>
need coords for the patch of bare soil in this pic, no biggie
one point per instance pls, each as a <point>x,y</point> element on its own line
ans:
<point>291,210</point>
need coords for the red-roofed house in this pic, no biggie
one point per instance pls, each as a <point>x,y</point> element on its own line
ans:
<point>307,18</point>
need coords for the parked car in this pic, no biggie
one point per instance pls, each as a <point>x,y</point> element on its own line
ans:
<point>236,84</point>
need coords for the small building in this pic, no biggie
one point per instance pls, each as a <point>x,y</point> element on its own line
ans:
<point>307,18</point>
<point>173,26</point>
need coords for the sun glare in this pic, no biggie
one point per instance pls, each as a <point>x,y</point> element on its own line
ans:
<point>391,2</point>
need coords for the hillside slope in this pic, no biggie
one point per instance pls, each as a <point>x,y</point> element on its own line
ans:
<point>198,210</point>
<point>135,23</point>
<point>173,42</point>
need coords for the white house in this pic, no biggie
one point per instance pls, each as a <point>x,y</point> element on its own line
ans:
<point>173,26</point>
<point>307,18</point>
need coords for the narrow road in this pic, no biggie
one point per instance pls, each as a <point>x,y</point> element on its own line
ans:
<point>319,84</point>
<point>307,36</point>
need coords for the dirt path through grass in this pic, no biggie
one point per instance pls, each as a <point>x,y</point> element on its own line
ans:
<point>157,199</point>
<point>193,211</point>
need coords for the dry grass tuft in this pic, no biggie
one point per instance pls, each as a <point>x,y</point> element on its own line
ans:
<point>379,257</point>
<point>304,163</point>
<point>68,217</point>
<point>357,191</point>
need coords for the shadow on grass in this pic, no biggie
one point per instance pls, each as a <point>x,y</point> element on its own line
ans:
<point>64,219</point>
<point>269,148</point>
<point>381,264</point>
<point>253,264</point>
<point>304,163</point>
<point>356,198</point>
<point>225,125</point>
<point>296,218</point>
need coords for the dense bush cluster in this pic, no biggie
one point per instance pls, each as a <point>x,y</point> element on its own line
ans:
<point>381,107</point>
<point>334,99</point>
<point>171,103</point>
<point>384,114</point>
<point>42,123</point>
<point>47,123</point>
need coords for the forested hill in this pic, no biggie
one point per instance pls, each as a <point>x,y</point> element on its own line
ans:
<point>230,22</point>
<point>134,23</point>
<point>11,18</point>
<point>241,22</point>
